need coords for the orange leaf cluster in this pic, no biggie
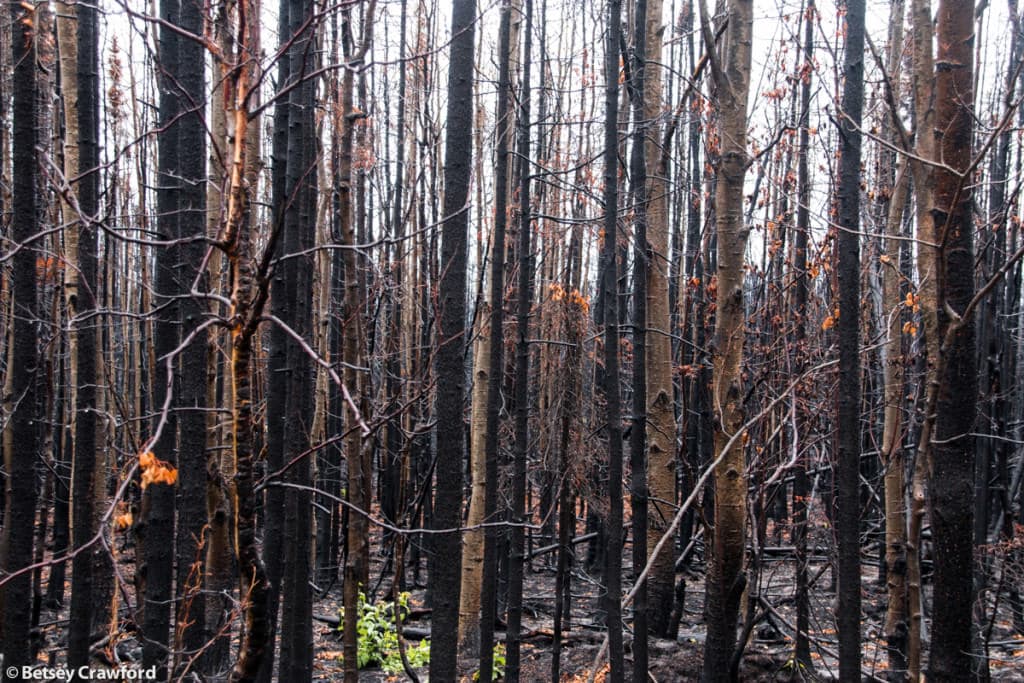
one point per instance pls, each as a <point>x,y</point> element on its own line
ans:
<point>156,471</point>
<point>831,320</point>
<point>123,521</point>
<point>580,300</point>
<point>574,297</point>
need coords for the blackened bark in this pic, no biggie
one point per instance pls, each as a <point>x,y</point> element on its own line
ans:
<point>801,488</point>
<point>277,361</point>
<point>570,407</point>
<point>298,238</point>
<point>609,287</point>
<point>191,488</point>
<point>848,478</point>
<point>393,469</point>
<point>446,565</point>
<point>641,260</point>
<point>85,402</point>
<point>21,490</point>
<point>158,499</point>
<point>951,489</point>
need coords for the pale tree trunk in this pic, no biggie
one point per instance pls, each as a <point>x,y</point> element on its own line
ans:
<point>473,539</point>
<point>220,465</point>
<point>726,580</point>
<point>473,551</point>
<point>892,434</point>
<point>524,302</point>
<point>67,45</point>
<point>67,40</point>
<point>661,418</point>
<point>357,561</point>
<point>892,431</point>
<point>924,69</point>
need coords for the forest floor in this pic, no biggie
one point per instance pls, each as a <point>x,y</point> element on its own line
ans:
<point>768,655</point>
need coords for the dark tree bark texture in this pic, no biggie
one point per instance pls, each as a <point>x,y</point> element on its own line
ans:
<point>446,546</point>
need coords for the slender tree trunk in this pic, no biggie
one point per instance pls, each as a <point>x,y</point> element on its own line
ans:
<point>357,559</point>
<point>247,303</point>
<point>21,453</point>
<point>191,490</point>
<point>158,500</point>
<point>522,391</point>
<point>896,626</point>
<point>220,467</point>
<point>67,45</point>
<point>848,477</point>
<point>446,546</point>
<point>277,355</point>
<point>801,490</point>
<point>298,238</point>
<point>950,487</point>
<point>661,416</point>
<point>927,259</point>
<point>726,580</point>
<point>478,575</point>
<point>575,318</point>
<point>642,266</point>
<point>609,287</point>
<point>80,619</point>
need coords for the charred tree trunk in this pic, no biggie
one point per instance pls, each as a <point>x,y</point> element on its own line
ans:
<point>642,265</point>
<point>277,356</point>
<point>848,477</point>
<point>298,235</point>
<point>610,303</point>
<point>22,452</point>
<point>951,504</point>
<point>87,127</point>
<point>801,489</point>
<point>191,489</point>
<point>446,564</point>
<point>157,530</point>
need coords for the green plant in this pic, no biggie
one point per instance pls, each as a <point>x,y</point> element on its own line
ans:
<point>378,636</point>
<point>498,667</point>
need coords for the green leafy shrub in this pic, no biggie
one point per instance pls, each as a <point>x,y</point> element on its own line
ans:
<point>498,668</point>
<point>378,637</point>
